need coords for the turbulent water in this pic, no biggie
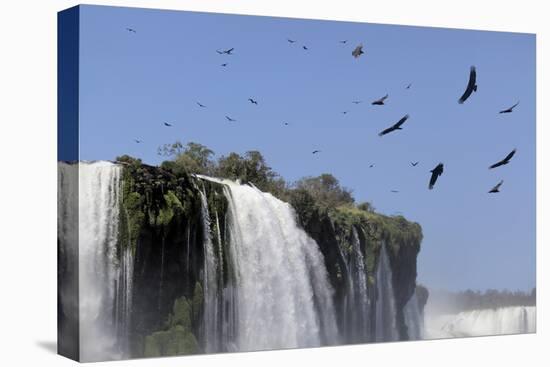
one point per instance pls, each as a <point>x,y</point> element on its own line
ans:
<point>264,278</point>
<point>104,297</point>
<point>506,320</point>
<point>385,328</point>
<point>282,295</point>
<point>414,319</point>
<point>356,302</point>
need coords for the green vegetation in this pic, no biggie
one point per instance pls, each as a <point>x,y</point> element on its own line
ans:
<point>176,338</point>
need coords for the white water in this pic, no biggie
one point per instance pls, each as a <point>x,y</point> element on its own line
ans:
<point>356,303</point>
<point>506,320</point>
<point>385,328</point>
<point>414,320</point>
<point>281,297</point>
<point>91,205</point>
<point>210,283</point>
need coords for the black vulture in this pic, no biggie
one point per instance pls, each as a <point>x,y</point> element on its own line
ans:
<point>372,165</point>
<point>396,126</point>
<point>315,152</point>
<point>436,172</point>
<point>226,52</point>
<point>290,41</point>
<point>471,87</point>
<point>358,51</point>
<point>253,101</point>
<point>131,30</point>
<point>344,112</point>
<point>510,109</point>
<point>356,102</point>
<point>408,86</point>
<point>201,105</point>
<point>230,119</point>
<point>506,160</point>
<point>167,124</point>
<point>414,164</point>
<point>496,188</point>
<point>380,101</point>
<point>224,64</point>
<point>343,41</point>
<point>138,141</point>
<point>305,48</point>
<point>394,191</point>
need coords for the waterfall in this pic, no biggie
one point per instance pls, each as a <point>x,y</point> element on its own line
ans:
<point>104,295</point>
<point>506,320</point>
<point>210,282</point>
<point>414,320</point>
<point>356,303</point>
<point>278,294</point>
<point>385,328</point>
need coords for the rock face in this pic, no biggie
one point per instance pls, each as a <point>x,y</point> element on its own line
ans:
<point>173,248</point>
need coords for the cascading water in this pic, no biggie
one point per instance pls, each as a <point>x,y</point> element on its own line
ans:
<point>105,281</point>
<point>356,303</point>
<point>279,295</point>
<point>414,320</point>
<point>210,282</point>
<point>506,320</point>
<point>385,328</point>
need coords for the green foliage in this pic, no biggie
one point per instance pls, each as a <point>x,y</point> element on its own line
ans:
<point>192,158</point>
<point>198,300</point>
<point>176,338</point>
<point>326,191</point>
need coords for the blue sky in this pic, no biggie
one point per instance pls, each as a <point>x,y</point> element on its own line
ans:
<point>131,83</point>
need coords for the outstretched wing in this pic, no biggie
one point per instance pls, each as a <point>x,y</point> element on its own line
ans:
<point>386,131</point>
<point>471,87</point>
<point>401,122</point>
<point>510,155</point>
<point>384,98</point>
<point>433,179</point>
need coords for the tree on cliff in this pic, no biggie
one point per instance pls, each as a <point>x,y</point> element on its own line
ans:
<point>191,158</point>
<point>250,168</point>
<point>326,191</point>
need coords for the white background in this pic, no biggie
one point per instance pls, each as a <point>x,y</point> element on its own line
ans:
<point>28,181</point>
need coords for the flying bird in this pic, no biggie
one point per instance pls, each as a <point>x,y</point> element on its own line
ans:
<point>224,64</point>
<point>471,87</point>
<point>344,112</point>
<point>358,51</point>
<point>138,141</point>
<point>436,172</point>
<point>226,52</point>
<point>230,119</point>
<point>356,102</point>
<point>380,102</point>
<point>253,101</point>
<point>372,165</point>
<point>315,152</point>
<point>131,30</point>
<point>305,48</point>
<point>408,86</point>
<point>343,41</point>
<point>496,188</point>
<point>290,41</point>
<point>201,105</point>
<point>396,126</point>
<point>506,160</point>
<point>510,109</point>
<point>286,124</point>
<point>414,164</point>
<point>394,191</point>
<point>167,124</point>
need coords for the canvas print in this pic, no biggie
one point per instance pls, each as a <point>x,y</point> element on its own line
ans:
<point>232,183</point>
